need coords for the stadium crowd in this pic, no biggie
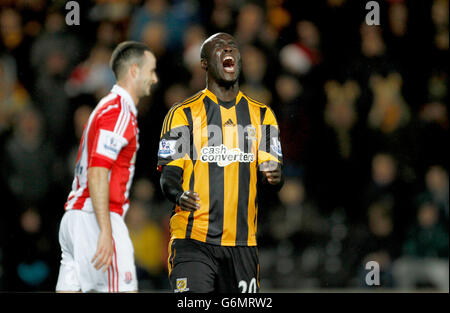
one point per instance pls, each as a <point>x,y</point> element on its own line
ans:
<point>363,113</point>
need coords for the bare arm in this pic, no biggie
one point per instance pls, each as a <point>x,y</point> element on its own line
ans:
<point>99,193</point>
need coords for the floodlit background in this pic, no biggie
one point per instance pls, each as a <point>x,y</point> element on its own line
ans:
<point>363,113</point>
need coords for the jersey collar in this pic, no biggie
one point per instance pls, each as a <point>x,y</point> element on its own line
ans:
<point>213,97</point>
<point>126,96</point>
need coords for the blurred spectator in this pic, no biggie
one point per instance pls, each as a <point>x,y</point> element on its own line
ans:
<point>335,169</point>
<point>300,57</point>
<point>194,36</point>
<point>184,14</point>
<point>53,55</point>
<point>252,28</point>
<point>432,135</point>
<point>15,43</point>
<point>432,123</point>
<point>372,42</point>
<point>299,212</point>
<point>51,97</point>
<point>30,161</point>
<point>340,113</point>
<point>36,8</point>
<point>33,14</point>
<point>193,74</point>
<point>375,241</point>
<point>254,65</point>
<point>31,265</point>
<point>175,18</point>
<point>155,11</point>
<point>108,35</point>
<point>115,11</point>
<point>398,18</point>
<point>278,16</point>
<point>154,34</point>
<point>220,17</point>
<point>435,113</point>
<point>373,58</point>
<point>389,111</point>
<point>283,222</point>
<point>439,15</point>
<point>425,253</point>
<point>92,76</point>
<point>334,271</point>
<point>437,86</point>
<point>385,185</point>
<point>293,119</point>
<point>285,232</point>
<point>54,38</point>
<point>389,121</point>
<point>399,38</point>
<point>30,168</point>
<point>14,98</point>
<point>436,192</point>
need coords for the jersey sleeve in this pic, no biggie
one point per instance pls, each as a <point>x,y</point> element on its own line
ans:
<point>269,145</point>
<point>174,140</point>
<point>109,129</point>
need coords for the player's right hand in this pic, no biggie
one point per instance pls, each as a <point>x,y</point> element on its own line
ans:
<point>104,254</point>
<point>188,201</point>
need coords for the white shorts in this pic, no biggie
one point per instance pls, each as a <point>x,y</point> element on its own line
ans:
<point>78,235</point>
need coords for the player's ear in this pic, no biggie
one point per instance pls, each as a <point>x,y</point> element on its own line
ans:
<point>204,64</point>
<point>134,70</point>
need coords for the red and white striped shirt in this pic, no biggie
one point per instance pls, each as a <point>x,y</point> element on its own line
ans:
<point>110,140</point>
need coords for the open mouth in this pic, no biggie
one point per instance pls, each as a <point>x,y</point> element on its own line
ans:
<point>229,64</point>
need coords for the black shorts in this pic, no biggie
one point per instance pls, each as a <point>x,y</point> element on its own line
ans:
<point>200,267</point>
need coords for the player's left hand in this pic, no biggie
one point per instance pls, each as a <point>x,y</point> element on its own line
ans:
<point>103,255</point>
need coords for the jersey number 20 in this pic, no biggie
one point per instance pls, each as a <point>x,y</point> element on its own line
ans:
<point>251,287</point>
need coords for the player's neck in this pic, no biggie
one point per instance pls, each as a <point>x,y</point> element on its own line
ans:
<point>130,90</point>
<point>224,93</point>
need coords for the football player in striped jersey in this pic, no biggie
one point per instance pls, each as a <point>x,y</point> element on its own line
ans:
<point>215,148</point>
<point>97,253</point>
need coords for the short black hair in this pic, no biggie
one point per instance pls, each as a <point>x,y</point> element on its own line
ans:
<point>124,52</point>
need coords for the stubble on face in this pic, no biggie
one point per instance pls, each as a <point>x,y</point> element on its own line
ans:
<point>147,75</point>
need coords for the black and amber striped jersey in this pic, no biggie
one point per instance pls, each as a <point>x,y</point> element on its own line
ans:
<point>219,146</point>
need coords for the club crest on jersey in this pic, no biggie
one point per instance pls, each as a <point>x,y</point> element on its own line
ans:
<point>181,285</point>
<point>251,133</point>
<point>276,146</point>
<point>166,148</point>
<point>224,156</point>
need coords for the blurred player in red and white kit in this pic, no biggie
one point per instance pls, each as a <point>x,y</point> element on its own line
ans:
<point>97,253</point>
